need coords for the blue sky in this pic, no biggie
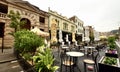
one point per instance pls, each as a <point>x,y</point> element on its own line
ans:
<point>103,15</point>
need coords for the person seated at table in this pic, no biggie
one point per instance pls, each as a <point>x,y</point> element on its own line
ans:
<point>85,44</point>
<point>88,51</point>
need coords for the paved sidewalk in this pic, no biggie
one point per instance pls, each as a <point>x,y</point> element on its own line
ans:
<point>6,51</point>
<point>8,62</point>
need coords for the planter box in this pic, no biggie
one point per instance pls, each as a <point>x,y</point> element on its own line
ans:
<point>115,54</point>
<point>108,68</point>
<point>23,63</point>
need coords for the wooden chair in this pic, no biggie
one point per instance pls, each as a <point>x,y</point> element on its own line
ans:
<point>91,64</point>
<point>82,49</point>
<point>65,61</point>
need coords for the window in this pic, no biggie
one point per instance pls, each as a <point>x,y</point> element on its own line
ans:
<point>58,24</point>
<point>75,20</point>
<point>42,19</point>
<point>65,26</point>
<point>79,30</point>
<point>42,29</point>
<point>72,28</point>
<point>78,24</point>
<point>3,8</point>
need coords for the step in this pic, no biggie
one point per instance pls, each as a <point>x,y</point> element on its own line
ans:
<point>7,57</point>
<point>12,66</point>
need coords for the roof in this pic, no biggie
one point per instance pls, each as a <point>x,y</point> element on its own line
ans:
<point>27,5</point>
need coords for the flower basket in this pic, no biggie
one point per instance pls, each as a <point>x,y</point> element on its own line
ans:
<point>111,53</point>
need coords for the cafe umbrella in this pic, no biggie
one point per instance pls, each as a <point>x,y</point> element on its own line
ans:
<point>39,32</point>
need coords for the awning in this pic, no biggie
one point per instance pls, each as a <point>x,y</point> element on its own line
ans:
<point>39,32</point>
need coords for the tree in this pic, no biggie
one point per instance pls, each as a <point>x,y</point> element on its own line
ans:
<point>117,36</point>
<point>91,35</point>
<point>15,20</point>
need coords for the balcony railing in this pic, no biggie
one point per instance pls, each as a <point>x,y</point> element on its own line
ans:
<point>3,15</point>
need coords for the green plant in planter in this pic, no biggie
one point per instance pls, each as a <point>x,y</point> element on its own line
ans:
<point>110,61</point>
<point>111,39</point>
<point>27,41</point>
<point>111,42</point>
<point>27,56</point>
<point>112,46</point>
<point>44,60</point>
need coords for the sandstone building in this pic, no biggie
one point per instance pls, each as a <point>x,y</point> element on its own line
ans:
<point>32,14</point>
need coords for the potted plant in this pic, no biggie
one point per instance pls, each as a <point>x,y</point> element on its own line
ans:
<point>44,60</point>
<point>26,43</point>
<point>109,64</point>
<point>111,51</point>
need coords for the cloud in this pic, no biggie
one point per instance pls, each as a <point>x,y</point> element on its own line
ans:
<point>104,15</point>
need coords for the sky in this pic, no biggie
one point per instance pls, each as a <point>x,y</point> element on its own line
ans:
<point>103,15</point>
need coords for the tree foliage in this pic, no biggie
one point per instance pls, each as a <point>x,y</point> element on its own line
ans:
<point>91,36</point>
<point>27,41</point>
<point>15,20</point>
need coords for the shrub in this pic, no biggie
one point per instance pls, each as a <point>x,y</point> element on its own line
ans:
<point>26,41</point>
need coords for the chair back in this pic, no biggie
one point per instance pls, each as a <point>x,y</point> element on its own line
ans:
<point>63,56</point>
<point>95,55</point>
<point>98,48</point>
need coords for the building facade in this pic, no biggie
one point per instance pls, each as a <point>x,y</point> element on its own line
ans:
<point>61,28</point>
<point>32,14</point>
<point>79,28</point>
<point>96,35</point>
<point>86,36</point>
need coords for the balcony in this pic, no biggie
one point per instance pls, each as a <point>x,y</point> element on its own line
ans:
<point>3,15</point>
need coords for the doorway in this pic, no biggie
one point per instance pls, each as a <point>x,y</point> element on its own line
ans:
<point>27,24</point>
<point>2,26</point>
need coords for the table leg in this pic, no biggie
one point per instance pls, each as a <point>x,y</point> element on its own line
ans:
<point>85,50</point>
<point>70,64</point>
<point>75,60</point>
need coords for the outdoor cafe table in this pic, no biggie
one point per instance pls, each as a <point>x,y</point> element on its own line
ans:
<point>78,46</point>
<point>75,56</point>
<point>89,47</point>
